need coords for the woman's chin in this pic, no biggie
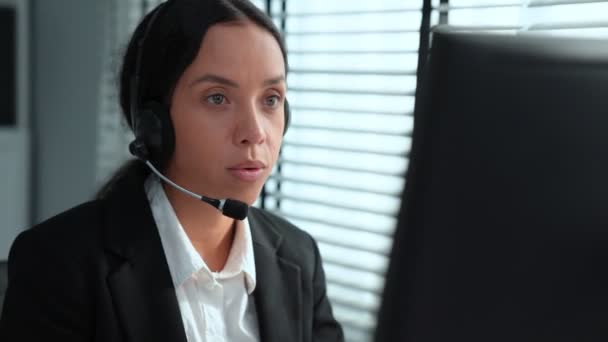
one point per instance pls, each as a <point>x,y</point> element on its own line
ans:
<point>247,195</point>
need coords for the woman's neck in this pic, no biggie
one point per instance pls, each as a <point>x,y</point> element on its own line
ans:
<point>210,232</point>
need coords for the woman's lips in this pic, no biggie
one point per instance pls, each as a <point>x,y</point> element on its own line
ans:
<point>247,174</point>
<point>248,171</point>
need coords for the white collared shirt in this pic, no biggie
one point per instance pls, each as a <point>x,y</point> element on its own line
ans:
<point>215,306</point>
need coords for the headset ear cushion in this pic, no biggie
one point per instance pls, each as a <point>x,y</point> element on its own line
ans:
<point>155,129</point>
<point>287,112</point>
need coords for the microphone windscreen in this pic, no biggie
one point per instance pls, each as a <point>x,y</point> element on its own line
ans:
<point>235,209</point>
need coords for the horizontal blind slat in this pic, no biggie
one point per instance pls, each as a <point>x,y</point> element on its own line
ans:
<point>355,92</point>
<point>355,72</point>
<point>329,204</point>
<point>313,33</point>
<point>445,8</point>
<point>367,300</point>
<point>285,160</point>
<point>345,149</point>
<point>357,52</point>
<point>348,226</point>
<point>545,3</point>
<point>351,110</point>
<point>372,163</point>
<point>350,130</point>
<point>328,261</point>
<point>342,13</point>
<point>394,193</point>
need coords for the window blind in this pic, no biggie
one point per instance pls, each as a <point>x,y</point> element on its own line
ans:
<point>351,87</point>
<point>574,18</point>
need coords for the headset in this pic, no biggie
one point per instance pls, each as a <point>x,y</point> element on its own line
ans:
<point>155,136</point>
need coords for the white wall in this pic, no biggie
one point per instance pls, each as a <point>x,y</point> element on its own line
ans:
<point>48,163</point>
<point>15,141</point>
<point>67,38</point>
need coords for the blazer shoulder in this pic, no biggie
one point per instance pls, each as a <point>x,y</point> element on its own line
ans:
<point>282,226</point>
<point>77,228</point>
<point>295,242</point>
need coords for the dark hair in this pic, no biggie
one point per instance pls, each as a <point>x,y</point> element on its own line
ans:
<point>170,46</point>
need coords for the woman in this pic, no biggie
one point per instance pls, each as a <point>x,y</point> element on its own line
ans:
<point>203,87</point>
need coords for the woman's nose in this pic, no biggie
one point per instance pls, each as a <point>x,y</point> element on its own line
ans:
<point>250,129</point>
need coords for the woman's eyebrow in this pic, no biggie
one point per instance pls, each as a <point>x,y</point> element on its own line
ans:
<point>230,83</point>
<point>274,80</point>
<point>215,79</point>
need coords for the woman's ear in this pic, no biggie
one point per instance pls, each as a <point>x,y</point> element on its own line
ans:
<point>287,113</point>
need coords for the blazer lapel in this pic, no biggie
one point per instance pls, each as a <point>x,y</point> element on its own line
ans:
<point>278,292</point>
<point>140,285</point>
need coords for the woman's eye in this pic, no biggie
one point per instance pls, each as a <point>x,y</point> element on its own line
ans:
<point>272,100</point>
<point>216,99</point>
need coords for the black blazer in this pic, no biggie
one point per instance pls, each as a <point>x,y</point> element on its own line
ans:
<point>98,272</point>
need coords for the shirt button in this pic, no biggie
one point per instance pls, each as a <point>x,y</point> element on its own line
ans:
<point>214,285</point>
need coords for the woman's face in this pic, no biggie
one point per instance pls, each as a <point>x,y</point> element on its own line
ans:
<point>227,111</point>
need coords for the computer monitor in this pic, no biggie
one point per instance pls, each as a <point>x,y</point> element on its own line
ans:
<point>503,229</point>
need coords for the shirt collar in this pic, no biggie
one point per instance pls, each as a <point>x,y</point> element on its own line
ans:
<point>183,259</point>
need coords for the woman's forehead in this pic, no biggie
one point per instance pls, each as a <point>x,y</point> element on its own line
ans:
<point>237,48</point>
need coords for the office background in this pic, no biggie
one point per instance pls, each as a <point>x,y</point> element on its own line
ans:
<point>353,73</point>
